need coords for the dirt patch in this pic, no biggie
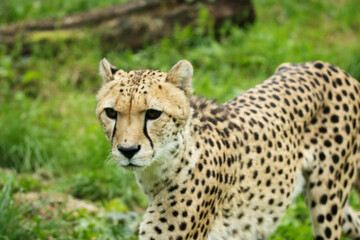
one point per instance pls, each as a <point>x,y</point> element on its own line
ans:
<point>49,203</point>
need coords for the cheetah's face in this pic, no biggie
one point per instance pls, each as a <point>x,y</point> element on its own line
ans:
<point>143,113</point>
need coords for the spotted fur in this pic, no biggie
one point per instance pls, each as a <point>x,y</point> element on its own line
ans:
<point>229,171</point>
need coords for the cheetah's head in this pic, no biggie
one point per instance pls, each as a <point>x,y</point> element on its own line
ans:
<point>143,112</point>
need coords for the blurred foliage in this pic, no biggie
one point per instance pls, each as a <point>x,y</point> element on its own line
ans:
<point>18,10</point>
<point>107,185</point>
<point>51,140</point>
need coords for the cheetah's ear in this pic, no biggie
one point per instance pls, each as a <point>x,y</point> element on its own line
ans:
<point>181,75</point>
<point>107,70</point>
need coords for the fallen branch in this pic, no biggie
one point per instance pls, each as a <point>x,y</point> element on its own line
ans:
<point>130,24</point>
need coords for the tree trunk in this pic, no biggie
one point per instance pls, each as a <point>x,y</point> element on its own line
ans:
<point>130,24</point>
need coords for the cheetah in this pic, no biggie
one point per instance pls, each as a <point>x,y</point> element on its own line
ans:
<point>230,171</point>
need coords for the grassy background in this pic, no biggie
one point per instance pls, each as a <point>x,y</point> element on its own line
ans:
<point>50,140</point>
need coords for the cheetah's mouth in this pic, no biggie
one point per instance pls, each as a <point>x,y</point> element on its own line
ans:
<point>132,166</point>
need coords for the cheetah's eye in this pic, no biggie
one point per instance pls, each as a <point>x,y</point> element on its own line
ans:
<point>152,114</point>
<point>110,113</point>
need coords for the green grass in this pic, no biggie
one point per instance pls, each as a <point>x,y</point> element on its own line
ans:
<point>12,223</point>
<point>52,141</point>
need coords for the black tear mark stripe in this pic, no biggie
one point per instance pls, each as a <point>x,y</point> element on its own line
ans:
<point>147,135</point>
<point>114,131</point>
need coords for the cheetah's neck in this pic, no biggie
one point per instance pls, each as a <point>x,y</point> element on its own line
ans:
<point>171,164</point>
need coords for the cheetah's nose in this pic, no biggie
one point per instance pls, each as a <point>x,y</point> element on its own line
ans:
<point>129,152</point>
